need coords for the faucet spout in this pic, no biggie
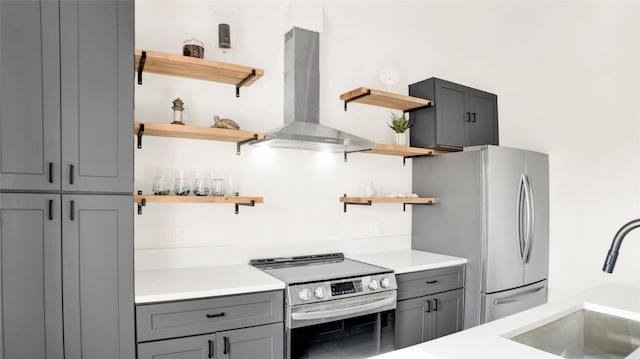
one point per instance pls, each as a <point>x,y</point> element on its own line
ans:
<point>612,255</point>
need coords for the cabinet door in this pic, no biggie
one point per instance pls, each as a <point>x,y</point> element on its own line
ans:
<point>29,95</point>
<point>198,347</point>
<point>30,269</point>
<point>451,105</point>
<point>411,322</point>
<point>483,128</point>
<point>446,313</point>
<point>96,39</point>
<point>262,342</point>
<point>97,255</point>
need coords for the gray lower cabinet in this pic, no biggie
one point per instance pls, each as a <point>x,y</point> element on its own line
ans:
<point>461,116</point>
<point>239,326</point>
<point>66,95</point>
<point>198,347</point>
<point>261,342</point>
<point>429,315</point>
<point>97,252</point>
<point>31,281</point>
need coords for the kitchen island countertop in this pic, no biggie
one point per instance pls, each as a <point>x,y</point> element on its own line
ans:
<point>409,260</point>
<point>190,283</point>
<point>491,340</point>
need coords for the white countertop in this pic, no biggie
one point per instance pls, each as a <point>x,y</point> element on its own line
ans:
<point>491,340</point>
<point>410,260</point>
<point>189,283</point>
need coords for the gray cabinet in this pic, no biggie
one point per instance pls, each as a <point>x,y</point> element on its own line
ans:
<point>261,342</point>
<point>429,308</point>
<point>97,59</point>
<point>66,114</point>
<point>461,116</point>
<point>31,282</point>
<point>198,347</point>
<point>29,95</point>
<point>235,326</point>
<point>66,95</point>
<point>97,245</point>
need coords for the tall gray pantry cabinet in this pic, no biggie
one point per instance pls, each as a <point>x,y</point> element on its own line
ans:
<point>66,179</point>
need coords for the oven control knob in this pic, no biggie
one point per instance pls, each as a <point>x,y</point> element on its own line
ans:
<point>318,292</point>
<point>304,294</point>
<point>373,285</point>
<point>384,282</point>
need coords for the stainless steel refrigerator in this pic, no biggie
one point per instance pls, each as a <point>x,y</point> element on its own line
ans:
<point>493,209</point>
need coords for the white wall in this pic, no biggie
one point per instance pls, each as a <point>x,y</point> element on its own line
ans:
<point>566,75</point>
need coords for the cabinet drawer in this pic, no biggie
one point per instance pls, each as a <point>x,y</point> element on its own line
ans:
<point>189,317</point>
<point>428,282</point>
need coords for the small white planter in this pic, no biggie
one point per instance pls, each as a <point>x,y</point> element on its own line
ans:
<point>400,139</point>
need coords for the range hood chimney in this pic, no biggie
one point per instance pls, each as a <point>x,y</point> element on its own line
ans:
<point>302,128</point>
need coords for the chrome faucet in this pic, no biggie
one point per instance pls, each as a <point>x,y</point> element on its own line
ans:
<point>612,256</point>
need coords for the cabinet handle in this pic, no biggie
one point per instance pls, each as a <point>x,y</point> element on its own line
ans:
<point>431,281</point>
<point>215,315</point>
<point>70,174</point>
<point>435,305</point>
<point>50,172</point>
<point>51,210</point>
<point>428,306</point>
<point>227,349</point>
<point>72,207</point>
<point>210,349</point>
<point>474,117</point>
<point>468,117</point>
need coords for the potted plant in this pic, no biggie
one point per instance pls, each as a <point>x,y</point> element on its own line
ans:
<point>400,124</point>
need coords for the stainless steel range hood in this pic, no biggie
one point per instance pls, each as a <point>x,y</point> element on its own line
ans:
<point>302,128</point>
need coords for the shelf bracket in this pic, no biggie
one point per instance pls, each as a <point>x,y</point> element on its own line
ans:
<point>243,82</point>
<point>251,204</point>
<point>142,203</point>
<point>143,59</point>
<point>244,142</point>
<point>344,204</point>
<point>430,104</point>
<point>140,133</point>
<point>404,158</point>
<point>404,205</point>
<point>348,152</point>
<point>368,93</point>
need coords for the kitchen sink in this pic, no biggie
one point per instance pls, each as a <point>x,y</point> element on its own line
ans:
<point>586,334</point>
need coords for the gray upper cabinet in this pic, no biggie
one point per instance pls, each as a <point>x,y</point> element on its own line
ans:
<point>29,95</point>
<point>31,286</point>
<point>461,116</point>
<point>98,277</point>
<point>97,58</point>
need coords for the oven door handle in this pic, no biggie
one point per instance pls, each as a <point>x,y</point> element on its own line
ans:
<point>320,314</point>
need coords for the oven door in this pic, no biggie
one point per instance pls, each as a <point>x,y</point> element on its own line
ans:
<point>356,327</point>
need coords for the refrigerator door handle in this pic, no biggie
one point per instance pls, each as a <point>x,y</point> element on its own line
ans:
<point>530,218</point>
<point>518,297</point>
<point>519,216</point>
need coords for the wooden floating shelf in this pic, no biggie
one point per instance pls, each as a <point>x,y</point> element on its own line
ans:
<point>392,150</point>
<point>238,201</point>
<point>368,201</point>
<point>407,200</point>
<point>196,68</point>
<point>196,132</point>
<point>197,199</point>
<point>386,99</point>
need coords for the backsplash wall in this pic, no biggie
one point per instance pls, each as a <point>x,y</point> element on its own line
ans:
<point>566,75</point>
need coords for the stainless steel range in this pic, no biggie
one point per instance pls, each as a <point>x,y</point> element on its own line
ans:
<point>335,307</point>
